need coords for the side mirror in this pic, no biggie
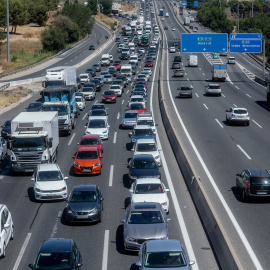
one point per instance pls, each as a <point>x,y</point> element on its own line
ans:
<point>6,226</point>
<point>31,265</point>
<point>156,125</point>
<point>65,178</point>
<point>73,157</point>
<point>133,149</point>
<point>101,156</point>
<point>122,221</point>
<point>79,265</point>
<point>138,264</point>
<point>130,134</point>
<point>32,179</point>
<point>191,262</point>
<point>102,199</point>
<point>169,219</point>
<point>167,190</point>
<point>227,110</point>
<point>237,174</point>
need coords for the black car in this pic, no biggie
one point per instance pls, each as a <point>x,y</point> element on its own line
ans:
<point>58,253</point>
<point>84,204</point>
<point>177,58</point>
<point>125,56</point>
<point>176,65</point>
<point>91,71</point>
<point>123,78</point>
<point>91,84</point>
<point>165,27</point>
<point>149,59</point>
<point>97,67</point>
<point>97,83</point>
<point>34,107</point>
<point>92,47</point>
<point>79,83</point>
<point>6,130</point>
<point>118,40</point>
<point>253,183</point>
<point>143,166</point>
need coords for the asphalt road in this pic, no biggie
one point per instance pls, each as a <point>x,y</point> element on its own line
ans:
<point>224,150</point>
<point>101,245</point>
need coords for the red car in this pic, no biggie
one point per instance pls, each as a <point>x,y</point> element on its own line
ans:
<point>91,140</point>
<point>109,96</point>
<point>137,106</point>
<point>148,64</point>
<point>117,66</point>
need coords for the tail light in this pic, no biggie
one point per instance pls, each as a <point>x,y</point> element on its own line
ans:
<point>233,115</point>
<point>248,184</point>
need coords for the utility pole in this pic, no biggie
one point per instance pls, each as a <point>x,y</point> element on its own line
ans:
<point>252,10</point>
<point>237,18</point>
<point>8,31</point>
<point>263,59</point>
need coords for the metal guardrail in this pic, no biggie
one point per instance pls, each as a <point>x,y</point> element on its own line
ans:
<point>5,86</point>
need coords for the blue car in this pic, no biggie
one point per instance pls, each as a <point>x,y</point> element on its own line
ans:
<point>141,132</point>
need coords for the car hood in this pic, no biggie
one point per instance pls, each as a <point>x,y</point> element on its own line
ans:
<point>130,119</point>
<point>146,231</point>
<point>86,162</point>
<point>82,206</point>
<point>153,153</point>
<point>160,197</point>
<point>109,96</point>
<point>143,137</point>
<point>144,172</point>
<point>96,131</point>
<point>50,185</point>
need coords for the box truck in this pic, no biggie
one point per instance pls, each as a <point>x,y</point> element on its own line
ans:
<point>219,73</point>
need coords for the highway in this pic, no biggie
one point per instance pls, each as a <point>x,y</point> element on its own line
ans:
<point>220,151</point>
<point>101,245</point>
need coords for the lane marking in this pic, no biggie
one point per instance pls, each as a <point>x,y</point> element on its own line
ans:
<point>118,116</point>
<point>127,91</point>
<point>56,223</point>
<point>105,250</point>
<point>25,243</point>
<point>223,95</point>
<point>205,106</point>
<point>234,105</point>
<point>240,232</point>
<point>256,123</point>
<point>203,74</point>
<point>84,116</point>
<point>236,87</point>
<point>196,95</point>
<point>123,102</point>
<point>114,137</point>
<point>248,95</point>
<point>243,151</point>
<point>219,123</point>
<point>69,143</point>
<point>111,176</point>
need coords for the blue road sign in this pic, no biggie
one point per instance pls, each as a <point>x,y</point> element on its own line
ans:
<point>196,3</point>
<point>204,43</point>
<point>246,43</point>
<point>183,3</point>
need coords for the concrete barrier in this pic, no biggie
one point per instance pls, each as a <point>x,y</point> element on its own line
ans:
<point>261,81</point>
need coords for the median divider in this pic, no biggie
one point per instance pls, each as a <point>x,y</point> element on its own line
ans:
<point>223,250</point>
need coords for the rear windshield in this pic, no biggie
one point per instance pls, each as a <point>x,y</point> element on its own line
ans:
<point>214,86</point>
<point>260,181</point>
<point>240,111</point>
<point>185,88</point>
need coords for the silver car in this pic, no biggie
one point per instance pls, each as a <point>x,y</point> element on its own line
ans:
<point>163,254</point>
<point>213,89</point>
<point>144,221</point>
<point>129,119</point>
<point>185,91</point>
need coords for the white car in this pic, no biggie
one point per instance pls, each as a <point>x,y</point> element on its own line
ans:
<point>84,77</point>
<point>149,70</point>
<point>3,148</point>
<point>147,147</point>
<point>49,183</point>
<point>89,93</point>
<point>6,229</point>
<point>108,78</point>
<point>162,19</point>
<point>146,119</point>
<point>172,50</point>
<point>150,190</point>
<point>173,28</point>
<point>134,58</point>
<point>98,127</point>
<point>142,50</point>
<point>237,115</point>
<point>117,88</point>
<point>137,98</point>
<point>80,102</point>
<point>231,60</point>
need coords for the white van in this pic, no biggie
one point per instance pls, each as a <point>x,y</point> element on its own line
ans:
<point>231,60</point>
<point>193,61</point>
<point>105,60</point>
<point>126,69</point>
<point>167,15</point>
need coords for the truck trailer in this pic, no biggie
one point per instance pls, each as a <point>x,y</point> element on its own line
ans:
<point>219,73</point>
<point>34,140</point>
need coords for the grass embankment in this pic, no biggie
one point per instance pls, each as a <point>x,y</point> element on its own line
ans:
<point>107,21</point>
<point>12,96</point>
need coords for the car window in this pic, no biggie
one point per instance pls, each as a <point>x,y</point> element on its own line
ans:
<point>89,141</point>
<point>145,217</point>
<point>144,164</point>
<point>146,147</point>
<point>49,176</point>
<point>260,181</point>
<point>87,155</point>
<point>54,260</point>
<point>96,124</point>
<point>83,196</point>
<point>240,111</point>
<point>148,188</point>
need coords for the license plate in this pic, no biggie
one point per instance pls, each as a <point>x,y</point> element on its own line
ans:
<point>86,170</point>
<point>28,170</point>
<point>108,99</point>
<point>82,217</point>
<point>261,193</point>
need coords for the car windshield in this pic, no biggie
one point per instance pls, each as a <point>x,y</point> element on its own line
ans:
<point>165,259</point>
<point>108,76</point>
<point>98,106</point>
<point>146,147</point>
<point>83,196</point>
<point>33,105</point>
<point>49,176</point>
<point>78,100</point>
<point>143,132</point>
<point>98,113</point>
<point>144,164</point>
<point>145,122</point>
<point>83,76</point>
<point>130,115</point>
<point>87,89</point>
<point>145,217</point>
<point>54,260</point>
<point>136,107</point>
<point>136,99</point>
<point>185,88</point>
<point>148,188</point>
<point>89,141</point>
<point>115,87</point>
<point>28,144</point>
<point>96,124</point>
<point>260,181</point>
<point>109,93</point>
<point>62,110</point>
<point>87,155</point>
<point>238,111</point>
<point>214,86</point>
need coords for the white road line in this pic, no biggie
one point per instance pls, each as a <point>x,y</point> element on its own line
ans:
<point>219,123</point>
<point>196,95</point>
<point>127,91</point>
<point>243,151</point>
<point>56,223</point>
<point>25,243</point>
<point>203,74</point>
<point>118,116</point>
<point>241,234</point>
<point>2,177</point>
<point>188,79</point>
<point>105,250</point>
<point>176,204</point>
<point>236,87</point>
<point>123,102</point>
<point>223,95</point>
<point>114,137</point>
<point>69,143</point>
<point>256,123</point>
<point>111,176</point>
<point>234,105</point>
<point>248,95</point>
<point>200,68</point>
<point>84,116</point>
<point>205,106</point>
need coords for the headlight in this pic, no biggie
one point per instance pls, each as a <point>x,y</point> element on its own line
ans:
<point>129,238</point>
<point>105,131</point>
<point>63,189</point>
<point>94,211</point>
<point>37,190</point>
<point>76,164</point>
<point>156,157</point>
<point>97,164</point>
<point>164,204</point>
<point>70,211</point>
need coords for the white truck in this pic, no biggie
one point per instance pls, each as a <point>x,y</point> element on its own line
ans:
<point>62,75</point>
<point>34,140</point>
<point>187,20</point>
<point>193,61</point>
<point>219,73</point>
<point>105,60</point>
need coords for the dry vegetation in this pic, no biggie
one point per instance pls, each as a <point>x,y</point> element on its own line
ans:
<point>109,22</point>
<point>126,8</point>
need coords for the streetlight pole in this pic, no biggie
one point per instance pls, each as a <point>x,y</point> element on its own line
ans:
<point>252,9</point>
<point>8,31</point>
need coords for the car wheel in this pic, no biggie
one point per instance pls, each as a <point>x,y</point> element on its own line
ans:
<point>2,157</point>
<point>100,217</point>
<point>244,197</point>
<point>248,123</point>
<point>66,218</point>
<point>12,234</point>
<point>4,250</point>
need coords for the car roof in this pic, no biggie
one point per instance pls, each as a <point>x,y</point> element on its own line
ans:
<point>148,181</point>
<point>87,148</point>
<point>56,245</point>
<point>143,156</point>
<point>136,96</point>
<point>238,108</point>
<point>146,140</point>
<point>90,137</point>
<point>145,206</point>
<point>163,245</point>
<point>141,126</point>
<point>48,167</point>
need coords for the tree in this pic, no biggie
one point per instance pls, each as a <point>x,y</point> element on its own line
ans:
<point>107,6</point>
<point>53,39</point>
<point>18,14</point>
<point>92,5</point>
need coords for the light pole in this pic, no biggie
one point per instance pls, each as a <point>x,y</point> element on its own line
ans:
<point>252,9</point>
<point>8,31</point>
